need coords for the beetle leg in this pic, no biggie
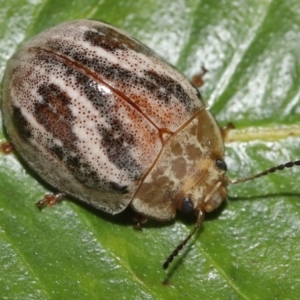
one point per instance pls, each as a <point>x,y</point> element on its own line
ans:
<point>225,130</point>
<point>139,220</point>
<point>197,79</point>
<point>6,147</point>
<point>50,200</point>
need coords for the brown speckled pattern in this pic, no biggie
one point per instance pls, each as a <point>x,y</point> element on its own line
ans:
<point>90,109</point>
<point>185,168</point>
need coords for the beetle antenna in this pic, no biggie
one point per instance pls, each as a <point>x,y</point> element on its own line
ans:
<point>200,219</point>
<point>266,172</point>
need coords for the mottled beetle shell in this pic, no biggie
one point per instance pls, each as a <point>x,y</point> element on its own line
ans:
<point>101,117</point>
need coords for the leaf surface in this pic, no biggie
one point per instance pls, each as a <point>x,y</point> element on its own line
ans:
<point>249,248</point>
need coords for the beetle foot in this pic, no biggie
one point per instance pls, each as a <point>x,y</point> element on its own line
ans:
<point>197,79</point>
<point>6,147</point>
<point>139,220</point>
<point>225,130</point>
<point>50,200</point>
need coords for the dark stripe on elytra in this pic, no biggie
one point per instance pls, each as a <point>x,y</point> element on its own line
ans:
<point>98,40</point>
<point>117,187</point>
<point>105,38</point>
<point>54,115</point>
<point>117,141</point>
<point>152,81</point>
<point>21,125</point>
<point>118,144</point>
<point>56,98</point>
<point>111,40</point>
<point>84,173</point>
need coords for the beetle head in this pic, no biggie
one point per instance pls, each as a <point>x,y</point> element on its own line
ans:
<point>209,191</point>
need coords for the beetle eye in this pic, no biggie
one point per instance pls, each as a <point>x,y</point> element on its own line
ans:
<point>187,206</point>
<point>221,164</point>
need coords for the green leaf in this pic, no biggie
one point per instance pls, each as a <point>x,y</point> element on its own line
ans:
<point>247,249</point>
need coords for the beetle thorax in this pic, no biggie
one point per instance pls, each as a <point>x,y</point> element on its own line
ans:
<point>185,169</point>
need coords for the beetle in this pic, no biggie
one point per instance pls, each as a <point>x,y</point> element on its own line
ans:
<point>101,117</point>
